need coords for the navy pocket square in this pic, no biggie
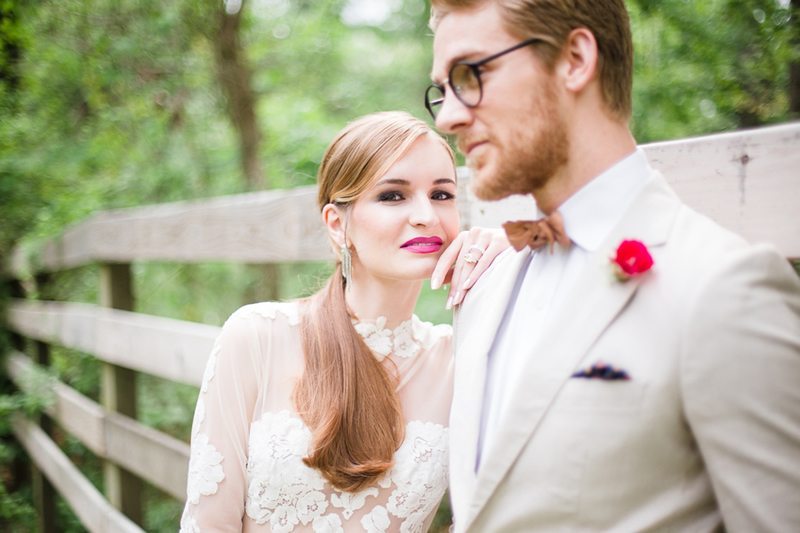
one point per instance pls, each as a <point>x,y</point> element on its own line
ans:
<point>602,371</point>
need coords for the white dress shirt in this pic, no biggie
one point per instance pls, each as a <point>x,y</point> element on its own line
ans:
<point>589,216</point>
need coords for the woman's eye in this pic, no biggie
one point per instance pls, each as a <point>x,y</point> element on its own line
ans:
<point>390,196</point>
<point>442,195</point>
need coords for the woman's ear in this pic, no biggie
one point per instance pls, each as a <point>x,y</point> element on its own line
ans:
<point>578,63</point>
<point>333,218</point>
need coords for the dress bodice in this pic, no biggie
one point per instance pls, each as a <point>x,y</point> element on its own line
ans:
<point>246,470</point>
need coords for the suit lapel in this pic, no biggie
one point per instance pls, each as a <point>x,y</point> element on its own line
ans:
<point>596,299</point>
<point>473,345</point>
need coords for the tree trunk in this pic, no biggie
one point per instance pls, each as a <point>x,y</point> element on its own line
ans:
<point>10,52</point>
<point>794,66</point>
<point>234,78</point>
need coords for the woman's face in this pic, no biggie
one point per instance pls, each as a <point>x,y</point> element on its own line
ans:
<point>401,224</point>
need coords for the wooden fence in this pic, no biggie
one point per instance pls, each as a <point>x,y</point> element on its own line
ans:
<point>748,181</point>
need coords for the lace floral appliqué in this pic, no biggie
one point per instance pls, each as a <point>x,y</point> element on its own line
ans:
<point>351,502</point>
<point>278,491</point>
<point>419,474</point>
<point>189,524</point>
<point>205,469</point>
<point>284,492</point>
<point>383,341</point>
<point>328,524</point>
<point>376,521</point>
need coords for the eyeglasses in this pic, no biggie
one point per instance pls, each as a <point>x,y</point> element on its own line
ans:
<point>464,80</point>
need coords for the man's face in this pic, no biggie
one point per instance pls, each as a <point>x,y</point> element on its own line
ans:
<point>516,138</point>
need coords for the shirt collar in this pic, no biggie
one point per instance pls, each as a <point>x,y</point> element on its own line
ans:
<point>594,210</point>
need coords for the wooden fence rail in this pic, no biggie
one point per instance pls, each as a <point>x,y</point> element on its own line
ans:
<point>155,457</point>
<point>171,349</point>
<point>747,181</point>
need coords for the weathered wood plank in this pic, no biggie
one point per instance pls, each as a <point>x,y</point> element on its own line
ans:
<point>44,494</point>
<point>118,393</point>
<point>158,458</point>
<point>94,512</point>
<point>76,413</point>
<point>171,349</point>
<point>747,181</point>
<point>261,227</point>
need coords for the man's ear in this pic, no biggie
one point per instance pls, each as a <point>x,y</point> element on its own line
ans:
<point>333,218</point>
<point>578,63</point>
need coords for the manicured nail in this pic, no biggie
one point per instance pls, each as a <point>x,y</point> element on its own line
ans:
<point>436,283</point>
<point>449,304</point>
<point>467,284</point>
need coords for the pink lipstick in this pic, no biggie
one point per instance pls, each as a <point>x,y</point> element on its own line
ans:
<point>423,245</point>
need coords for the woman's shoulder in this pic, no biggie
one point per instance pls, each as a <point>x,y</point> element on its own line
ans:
<point>262,320</point>
<point>288,312</point>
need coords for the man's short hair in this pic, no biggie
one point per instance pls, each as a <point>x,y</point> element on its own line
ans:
<point>553,20</point>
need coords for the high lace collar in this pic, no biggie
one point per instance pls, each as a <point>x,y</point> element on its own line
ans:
<point>400,341</point>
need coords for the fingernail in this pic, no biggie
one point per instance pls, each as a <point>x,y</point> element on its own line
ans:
<point>435,283</point>
<point>457,297</point>
<point>449,303</point>
<point>467,284</point>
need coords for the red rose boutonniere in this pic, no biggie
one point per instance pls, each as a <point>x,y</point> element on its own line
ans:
<point>632,259</point>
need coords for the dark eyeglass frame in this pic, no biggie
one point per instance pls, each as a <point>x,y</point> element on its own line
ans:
<point>475,68</point>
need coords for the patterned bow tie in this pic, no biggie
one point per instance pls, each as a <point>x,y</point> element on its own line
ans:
<point>537,233</point>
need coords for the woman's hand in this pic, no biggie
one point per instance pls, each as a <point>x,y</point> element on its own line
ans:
<point>466,259</point>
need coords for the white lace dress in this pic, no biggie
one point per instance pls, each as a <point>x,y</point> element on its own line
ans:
<point>246,471</point>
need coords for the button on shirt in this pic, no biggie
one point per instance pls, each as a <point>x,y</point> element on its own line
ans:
<point>545,279</point>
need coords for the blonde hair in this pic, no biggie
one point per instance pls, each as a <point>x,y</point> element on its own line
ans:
<point>553,20</point>
<point>345,396</point>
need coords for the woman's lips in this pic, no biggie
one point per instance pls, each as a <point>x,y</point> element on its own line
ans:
<point>423,245</point>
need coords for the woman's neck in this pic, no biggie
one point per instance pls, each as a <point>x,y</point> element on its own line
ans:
<point>370,298</point>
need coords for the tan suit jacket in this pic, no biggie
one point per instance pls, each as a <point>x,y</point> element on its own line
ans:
<point>707,429</point>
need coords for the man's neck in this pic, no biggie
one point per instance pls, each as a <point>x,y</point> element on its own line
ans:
<point>592,151</point>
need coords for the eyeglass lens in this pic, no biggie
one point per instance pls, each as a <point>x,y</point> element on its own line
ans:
<point>434,98</point>
<point>465,85</point>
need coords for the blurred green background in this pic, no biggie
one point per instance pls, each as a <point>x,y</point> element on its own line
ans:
<point>117,103</point>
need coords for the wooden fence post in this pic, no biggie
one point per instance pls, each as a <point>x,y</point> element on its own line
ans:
<point>44,494</point>
<point>118,393</point>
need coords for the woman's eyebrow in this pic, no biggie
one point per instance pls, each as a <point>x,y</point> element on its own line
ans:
<point>393,181</point>
<point>400,181</point>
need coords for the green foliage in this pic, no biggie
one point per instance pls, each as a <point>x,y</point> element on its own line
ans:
<point>702,67</point>
<point>16,508</point>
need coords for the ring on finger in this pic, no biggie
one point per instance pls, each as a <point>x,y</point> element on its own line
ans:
<point>476,248</point>
<point>469,258</point>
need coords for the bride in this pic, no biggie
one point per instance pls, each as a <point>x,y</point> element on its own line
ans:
<point>330,413</point>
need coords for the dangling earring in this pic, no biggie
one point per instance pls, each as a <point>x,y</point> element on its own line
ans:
<point>347,266</point>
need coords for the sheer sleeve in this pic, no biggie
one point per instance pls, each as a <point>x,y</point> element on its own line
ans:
<point>216,486</point>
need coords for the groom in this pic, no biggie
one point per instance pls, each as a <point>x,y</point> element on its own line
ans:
<point>660,391</point>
